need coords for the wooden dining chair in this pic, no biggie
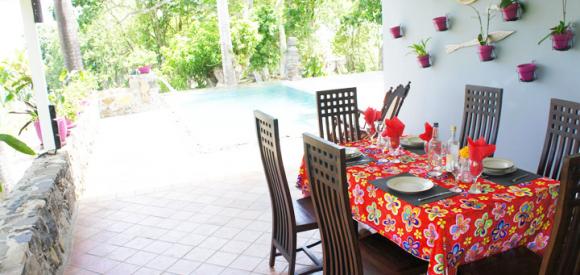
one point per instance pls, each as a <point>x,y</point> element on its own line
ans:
<point>338,115</point>
<point>288,216</point>
<point>393,101</point>
<point>343,252</point>
<point>562,255</point>
<point>481,114</point>
<point>562,136</point>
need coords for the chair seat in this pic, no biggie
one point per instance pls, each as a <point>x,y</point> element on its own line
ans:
<point>305,215</point>
<point>381,256</point>
<point>521,261</point>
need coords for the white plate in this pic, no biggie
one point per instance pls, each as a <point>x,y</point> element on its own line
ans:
<point>412,141</point>
<point>409,184</point>
<point>497,164</point>
<point>493,172</point>
<point>352,152</point>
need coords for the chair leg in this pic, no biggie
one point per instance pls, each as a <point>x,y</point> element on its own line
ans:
<point>292,264</point>
<point>272,255</point>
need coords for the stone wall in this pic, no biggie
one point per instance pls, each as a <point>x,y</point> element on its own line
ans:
<point>142,95</point>
<point>36,219</point>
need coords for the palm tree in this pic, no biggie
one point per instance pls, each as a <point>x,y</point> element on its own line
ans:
<point>68,33</point>
<point>226,43</point>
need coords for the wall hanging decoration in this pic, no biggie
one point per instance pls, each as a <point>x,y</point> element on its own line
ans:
<point>493,37</point>
<point>527,72</point>
<point>397,31</point>
<point>420,50</point>
<point>511,9</point>
<point>562,34</point>
<point>466,2</point>
<point>441,23</point>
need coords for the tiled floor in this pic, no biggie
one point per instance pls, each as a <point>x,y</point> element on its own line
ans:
<point>153,206</point>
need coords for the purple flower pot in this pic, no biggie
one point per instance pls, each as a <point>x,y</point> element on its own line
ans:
<point>144,69</point>
<point>486,52</point>
<point>441,23</point>
<point>562,42</point>
<point>527,72</point>
<point>396,31</point>
<point>510,13</point>
<point>424,61</point>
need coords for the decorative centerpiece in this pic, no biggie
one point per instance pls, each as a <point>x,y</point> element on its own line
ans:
<point>511,9</point>
<point>441,23</point>
<point>562,34</point>
<point>527,72</point>
<point>396,31</point>
<point>420,49</point>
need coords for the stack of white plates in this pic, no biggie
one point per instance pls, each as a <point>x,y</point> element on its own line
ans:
<point>412,142</point>
<point>498,166</point>
<point>353,153</point>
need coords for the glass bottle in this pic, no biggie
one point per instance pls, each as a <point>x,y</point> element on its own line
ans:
<point>452,152</point>
<point>435,153</point>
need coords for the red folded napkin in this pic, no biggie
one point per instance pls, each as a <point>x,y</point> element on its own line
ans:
<point>428,132</point>
<point>371,115</point>
<point>394,128</point>
<point>479,149</point>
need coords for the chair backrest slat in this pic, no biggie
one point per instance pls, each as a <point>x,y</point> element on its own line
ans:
<point>283,219</point>
<point>326,168</point>
<point>482,113</point>
<point>394,100</point>
<point>562,255</point>
<point>338,115</point>
<point>562,136</point>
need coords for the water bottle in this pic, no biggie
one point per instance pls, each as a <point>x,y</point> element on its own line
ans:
<point>435,153</point>
<point>452,150</point>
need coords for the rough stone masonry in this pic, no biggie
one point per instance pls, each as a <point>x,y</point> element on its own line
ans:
<point>36,219</point>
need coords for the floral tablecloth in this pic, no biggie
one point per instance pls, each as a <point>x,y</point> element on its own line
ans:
<point>452,231</point>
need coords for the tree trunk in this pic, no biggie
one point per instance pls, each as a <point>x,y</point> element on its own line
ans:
<point>282,35</point>
<point>226,43</point>
<point>68,33</point>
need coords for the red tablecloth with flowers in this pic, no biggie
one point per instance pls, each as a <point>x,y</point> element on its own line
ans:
<point>452,231</point>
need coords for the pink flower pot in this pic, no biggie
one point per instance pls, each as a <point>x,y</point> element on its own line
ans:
<point>62,130</point>
<point>38,131</point>
<point>562,42</point>
<point>396,31</point>
<point>144,69</point>
<point>486,52</point>
<point>510,13</point>
<point>441,23</point>
<point>424,61</point>
<point>527,72</point>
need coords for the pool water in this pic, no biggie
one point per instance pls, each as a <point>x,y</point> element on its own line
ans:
<point>225,117</point>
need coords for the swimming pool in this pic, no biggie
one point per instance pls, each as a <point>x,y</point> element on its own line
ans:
<point>224,117</point>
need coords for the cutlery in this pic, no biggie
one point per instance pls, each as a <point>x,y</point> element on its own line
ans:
<point>519,178</point>
<point>434,196</point>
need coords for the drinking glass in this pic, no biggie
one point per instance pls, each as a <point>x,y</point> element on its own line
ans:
<point>459,169</point>
<point>435,158</point>
<point>475,169</point>
<point>383,143</point>
<point>394,147</point>
<point>371,136</point>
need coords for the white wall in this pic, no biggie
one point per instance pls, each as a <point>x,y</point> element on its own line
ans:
<point>437,93</point>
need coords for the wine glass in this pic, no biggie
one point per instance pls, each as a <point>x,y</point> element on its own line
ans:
<point>458,168</point>
<point>394,146</point>
<point>371,134</point>
<point>475,169</point>
<point>383,143</point>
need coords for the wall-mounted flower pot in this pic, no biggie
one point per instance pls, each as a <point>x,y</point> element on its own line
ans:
<point>511,12</point>
<point>527,72</point>
<point>441,23</point>
<point>424,61</point>
<point>486,52</point>
<point>564,41</point>
<point>397,32</point>
<point>62,130</point>
<point>144,69</point>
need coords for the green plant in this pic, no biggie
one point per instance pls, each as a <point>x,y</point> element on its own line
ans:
<point>562,27</point>
<point>75,87</point>
<point>30,111</point>
<point>483,36</point>
<point>15,79</point>
<point>17,145</point>
<point>420,49</point>
<point>267,53</point>
<point>314,67</point>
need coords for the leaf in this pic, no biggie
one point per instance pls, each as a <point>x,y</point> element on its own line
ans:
<point>17,144</point>
<point>24,127</point>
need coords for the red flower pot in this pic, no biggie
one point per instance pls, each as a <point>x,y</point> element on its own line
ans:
<point>510,13</point>
<point>486,52</point>
<point>396,31</point>
<point>144,69</point>
<point>424,61</point>
<point>527,72</point>
<point>562,42</point>
<point>441,23</point>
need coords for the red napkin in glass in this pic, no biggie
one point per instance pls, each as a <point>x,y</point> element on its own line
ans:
<point>478,150</point>
<point>394,128</point>
<point>371,115</point>
<point>428,133</point>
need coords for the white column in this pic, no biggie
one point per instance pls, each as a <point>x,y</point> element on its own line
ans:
<point>37,71</point>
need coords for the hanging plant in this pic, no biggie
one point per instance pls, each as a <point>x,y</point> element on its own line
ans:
<point>511,9</point>
<point>486,50</point>
<point>420,50</point>
<point>562,34</point>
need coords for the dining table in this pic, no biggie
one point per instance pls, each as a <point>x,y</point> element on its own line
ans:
<point>447,229</point>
